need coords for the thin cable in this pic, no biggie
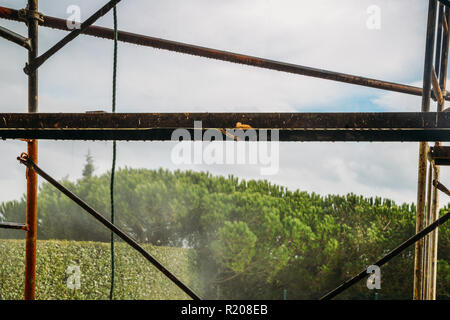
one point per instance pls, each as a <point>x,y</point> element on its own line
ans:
<point>113,169</point>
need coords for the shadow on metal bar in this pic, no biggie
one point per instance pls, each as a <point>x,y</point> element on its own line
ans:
<point>31,165</point>
<point>391,126</point>
<point>284,135</point>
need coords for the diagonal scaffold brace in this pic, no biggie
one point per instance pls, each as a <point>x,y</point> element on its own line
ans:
<point>441,187</point>
<point>15,37</point>
<point>418,236</point>
<point>36,63</point>
<point>24,159</point>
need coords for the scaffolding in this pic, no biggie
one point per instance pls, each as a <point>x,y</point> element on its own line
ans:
<point>422,127</point>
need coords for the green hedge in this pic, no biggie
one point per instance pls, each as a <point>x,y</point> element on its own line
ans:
<point>135,277</point>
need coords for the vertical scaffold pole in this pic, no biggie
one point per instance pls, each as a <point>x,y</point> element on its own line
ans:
<point>435,203</point>
<point>32,181</point>
<point>423,149</point>
<point>438,62</point>
<point>426,248</point>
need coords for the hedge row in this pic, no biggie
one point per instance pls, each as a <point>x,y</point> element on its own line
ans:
<point>135,277</point>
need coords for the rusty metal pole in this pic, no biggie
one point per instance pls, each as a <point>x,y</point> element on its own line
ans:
<point>427,257</point>
<point>433,239</point>
<point>427,274</point>
<point>32,183</point>
<point>423,149</point>
<point>435,202</point>
<point>439,40</point>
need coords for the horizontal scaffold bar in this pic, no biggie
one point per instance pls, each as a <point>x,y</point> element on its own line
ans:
<point>13,225</point>
<point>440,155</point>
<point>380,126</point>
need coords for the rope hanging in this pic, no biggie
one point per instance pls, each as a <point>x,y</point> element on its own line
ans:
<point>113,169</point>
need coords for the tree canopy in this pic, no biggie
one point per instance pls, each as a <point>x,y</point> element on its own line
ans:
<point>252,239</point>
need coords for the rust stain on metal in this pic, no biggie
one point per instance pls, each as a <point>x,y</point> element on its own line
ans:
<point>31,235</point>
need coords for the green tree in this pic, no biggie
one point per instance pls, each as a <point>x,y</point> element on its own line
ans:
<point>251,239</point>
<point>89,168</point>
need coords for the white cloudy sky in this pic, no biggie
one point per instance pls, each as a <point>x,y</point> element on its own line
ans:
<point>327,34</point>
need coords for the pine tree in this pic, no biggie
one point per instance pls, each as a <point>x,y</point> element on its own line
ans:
<point>88,169</point>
